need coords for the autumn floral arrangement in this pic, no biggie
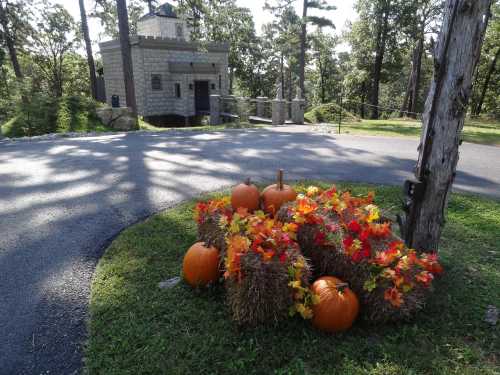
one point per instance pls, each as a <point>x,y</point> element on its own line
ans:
<point>347,237</point>
<point>266,275</point>
<point>270,250</point>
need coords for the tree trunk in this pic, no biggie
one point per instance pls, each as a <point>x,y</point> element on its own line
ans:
<point>128,73</point>
<point>363,98</point>
<point>282,74</point>
<point>303,40</point>
<point>491,69</point>
<point>379,58</point>
<point>88,47</point>
<point>417,68</point>
<point>404,106</point>
<point>455,60</point>
<point>321,79</point>
<point>231,80</point>
<point>9,41</point>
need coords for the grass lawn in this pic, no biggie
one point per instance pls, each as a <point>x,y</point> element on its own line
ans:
<point>143,125</point>
<point>137,328</point>
<point>476,131</point>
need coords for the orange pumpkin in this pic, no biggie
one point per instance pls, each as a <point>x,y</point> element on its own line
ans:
<point>245,195</point>
<point>338,306</point>
<point>275,195</point>
<point>201,265</point>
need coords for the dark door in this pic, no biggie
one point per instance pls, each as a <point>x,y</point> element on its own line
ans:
<point>201,96</point>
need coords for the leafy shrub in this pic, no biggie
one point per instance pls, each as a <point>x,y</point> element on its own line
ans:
<point>330,113</point>
<point>42,114</point>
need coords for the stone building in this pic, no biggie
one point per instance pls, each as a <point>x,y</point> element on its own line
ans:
<point>173,76</point>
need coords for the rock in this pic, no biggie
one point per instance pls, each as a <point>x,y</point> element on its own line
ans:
<point>121,118</point>
<point>105,114</point>
<point>169,283</point>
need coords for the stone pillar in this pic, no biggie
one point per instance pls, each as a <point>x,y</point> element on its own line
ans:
<point>279,108</point>
<point>243,108</point>
<point>215,109</point>
<point>298,106</point>
<point>261,103</point>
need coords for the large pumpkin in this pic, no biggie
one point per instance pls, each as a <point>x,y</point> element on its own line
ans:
<point>276,195</point>
<point>245,195</point>
<point>201,265</point>
<point>338,306</point>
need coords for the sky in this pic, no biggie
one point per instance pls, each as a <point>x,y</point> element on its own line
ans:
<point>339,16</point>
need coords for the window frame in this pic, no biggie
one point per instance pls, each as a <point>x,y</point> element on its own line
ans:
<point>159,83</point>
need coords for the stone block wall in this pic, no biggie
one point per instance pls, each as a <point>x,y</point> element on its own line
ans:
<point>113,75</point>
<point>151,60</point>
<point>164,27</point>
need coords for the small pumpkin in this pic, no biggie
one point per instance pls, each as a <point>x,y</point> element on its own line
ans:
<point>338,306</point>
<point>201,265</point>
<point>245,195</point>
<point>275,195</point>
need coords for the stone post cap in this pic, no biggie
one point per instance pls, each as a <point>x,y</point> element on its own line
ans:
<point>262,98</point>
<point>299,93</point>
<point>215,96</point>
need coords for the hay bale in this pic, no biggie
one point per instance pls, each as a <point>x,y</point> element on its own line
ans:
<point>212,233</point>
<point>331,259</point>
<point>263,295</point>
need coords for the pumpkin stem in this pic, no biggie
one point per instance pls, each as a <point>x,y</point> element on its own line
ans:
<point>280,179</point>
<point>247,181</point>
<point>341,286</point>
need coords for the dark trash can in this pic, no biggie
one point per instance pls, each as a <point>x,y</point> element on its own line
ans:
<point>115,101</point>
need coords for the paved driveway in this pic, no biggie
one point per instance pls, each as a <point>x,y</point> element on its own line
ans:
<point>61,201</point>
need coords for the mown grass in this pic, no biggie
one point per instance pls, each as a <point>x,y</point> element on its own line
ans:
<point>475,131</point>
<point>144,125</point>
<point>137,328</point>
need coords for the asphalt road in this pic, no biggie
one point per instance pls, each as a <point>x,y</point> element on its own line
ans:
<point>61,201</point>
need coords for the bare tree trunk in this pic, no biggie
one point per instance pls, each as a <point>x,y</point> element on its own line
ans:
<point>128,73</point>
<point>379,58</point>
<point>88,47</point>
<point>455,60</point>
<point>477,110</point>
<point>10,43</point>
<point>302,56</point>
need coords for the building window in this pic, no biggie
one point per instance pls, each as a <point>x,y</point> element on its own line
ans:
<point>179,30</point>
<point>177,90</point>
<point>156,82</point>
<point>220,82</point>
<point>212,86</point>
